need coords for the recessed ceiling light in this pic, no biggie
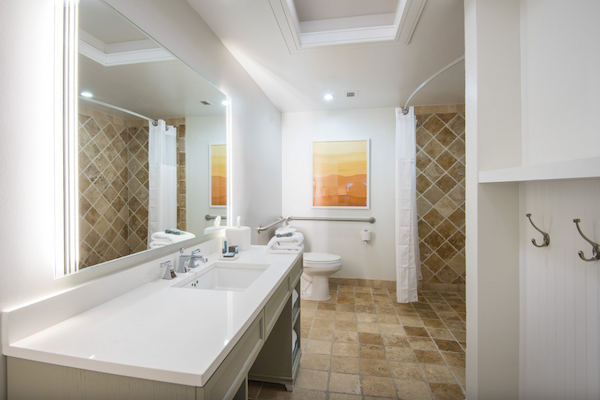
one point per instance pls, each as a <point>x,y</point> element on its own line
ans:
<point>87,94</point>
<point>328,97</point>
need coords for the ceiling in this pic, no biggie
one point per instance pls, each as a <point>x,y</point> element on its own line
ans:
<point>383,72</point>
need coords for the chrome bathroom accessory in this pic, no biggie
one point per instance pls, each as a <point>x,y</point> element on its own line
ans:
<point>290,218</point>
<point>208,217</point>
<point>546,236</point>
<point>187,261</point>
<point>169,271</point>
<point>595,246</point>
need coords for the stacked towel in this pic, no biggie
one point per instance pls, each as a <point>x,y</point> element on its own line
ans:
<point>160,239</point>
<point>286,244</point>
<point>285,229</point>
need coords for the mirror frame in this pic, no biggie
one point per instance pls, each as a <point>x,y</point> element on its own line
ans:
<point>66,154</point>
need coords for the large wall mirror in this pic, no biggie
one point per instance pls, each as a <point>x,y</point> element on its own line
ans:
<point>151,143</point>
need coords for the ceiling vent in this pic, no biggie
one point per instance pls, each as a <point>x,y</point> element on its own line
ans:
<point>206,103</point>
<point>352,93</point>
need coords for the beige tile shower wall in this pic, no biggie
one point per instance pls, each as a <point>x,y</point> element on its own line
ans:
<point>103,193</point>
<point>441,196</point>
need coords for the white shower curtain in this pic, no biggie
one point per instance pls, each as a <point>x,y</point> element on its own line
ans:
<point>162,170</point>
<point>408,263</point>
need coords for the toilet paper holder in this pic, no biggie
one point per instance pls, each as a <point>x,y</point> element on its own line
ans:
<point>366,236</point>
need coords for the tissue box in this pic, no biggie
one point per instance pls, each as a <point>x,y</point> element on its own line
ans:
<point>239,236</point>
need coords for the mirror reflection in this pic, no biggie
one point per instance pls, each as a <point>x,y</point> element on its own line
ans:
<point>152,142</point>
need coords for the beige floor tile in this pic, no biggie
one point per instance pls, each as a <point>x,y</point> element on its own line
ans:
<point>306,321</point>
<point>345,300</point>
<point>345,316</point>
<point>440,333</point>
<point>460,374</point>
<point>460,336</point>
<point>270,391</point>
<point>308,304</point>
<point>321,334</point>
<point>393,329</point>
<point>374,367</point>
<point>318,346</point>
<point>443,391</point>
<point>395,340</point>
<point>304,394</point>
<point>416,331</point>
<point>323,323</point>
<point>399,354</point>
<point>389,319</point>
<point>421,343</point>
<point>309,312</point>
<point>343,396</point>
<point>345,336</point>
<point>362,289</point>
<point>370,318</point>
<point>402,370</point>
<point>304,332</point>
<point>253,389</point>
<point>371,351</point>
<point>344,308</point>
<point>411,321</point>
<point>412,390</point>
<point>347,365</point>
<point>370,338</point>
<point>366,309</point>
<point>437,373</point>
<point>345,349</point>
<point>320,362</point>
<point>456,325</point>
<point>455,359</point>
<point>434,323</point>
<point>312,380</point>
<point>377,386</point>
<point>367,327</point>
<point>326,306</point>
<point>429,357</point>
<point>324,314</point>
<point>345,325</point>
<point>344,383</point>
<point>448,345</point>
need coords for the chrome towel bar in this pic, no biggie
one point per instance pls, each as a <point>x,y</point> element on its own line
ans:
<point>290,218</point>
<point>208,217</point>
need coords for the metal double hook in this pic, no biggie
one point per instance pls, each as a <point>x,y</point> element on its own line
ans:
<point>595,246</point>
<point>545,235</point>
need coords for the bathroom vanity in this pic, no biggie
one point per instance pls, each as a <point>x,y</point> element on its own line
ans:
<point>198,336</point>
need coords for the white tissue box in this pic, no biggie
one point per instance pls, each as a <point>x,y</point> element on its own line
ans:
<point>239,236</point>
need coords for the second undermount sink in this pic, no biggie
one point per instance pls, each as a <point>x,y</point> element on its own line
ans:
<point>227,276</point>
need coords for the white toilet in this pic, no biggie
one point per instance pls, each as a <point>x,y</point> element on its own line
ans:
<point>318,267</point>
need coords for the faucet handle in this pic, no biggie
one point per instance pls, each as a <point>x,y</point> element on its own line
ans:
<point>169,271</point>
<point>195,252</point>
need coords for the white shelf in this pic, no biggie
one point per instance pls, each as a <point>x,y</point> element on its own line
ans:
<point>585,168</point>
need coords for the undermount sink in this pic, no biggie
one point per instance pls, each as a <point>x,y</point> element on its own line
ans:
<point>226,276</point>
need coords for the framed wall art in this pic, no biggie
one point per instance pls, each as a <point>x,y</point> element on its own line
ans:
<point>218,175</point>
<point>340,174</point>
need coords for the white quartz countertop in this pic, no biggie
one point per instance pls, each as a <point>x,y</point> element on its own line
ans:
<point>159,331</point>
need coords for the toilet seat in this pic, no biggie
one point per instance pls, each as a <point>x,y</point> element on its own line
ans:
<point>316,259</point>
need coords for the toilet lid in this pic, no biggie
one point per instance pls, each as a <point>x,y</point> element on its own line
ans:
<point>321,258</point>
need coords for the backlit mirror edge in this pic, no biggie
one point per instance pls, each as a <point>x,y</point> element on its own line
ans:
<point>66,156</point>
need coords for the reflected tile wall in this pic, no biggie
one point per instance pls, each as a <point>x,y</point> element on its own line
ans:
<point>441,195</point>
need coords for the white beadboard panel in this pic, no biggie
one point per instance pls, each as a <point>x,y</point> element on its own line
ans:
<point>560,299</point>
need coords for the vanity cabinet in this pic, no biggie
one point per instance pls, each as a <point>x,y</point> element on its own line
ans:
<point>263,352</point>
<point>279,360</point>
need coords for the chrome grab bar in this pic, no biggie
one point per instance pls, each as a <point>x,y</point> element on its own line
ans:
<point>208,217</point>
<point>290,218</point>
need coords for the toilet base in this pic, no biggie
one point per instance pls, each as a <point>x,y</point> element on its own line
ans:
<point>317,290</point>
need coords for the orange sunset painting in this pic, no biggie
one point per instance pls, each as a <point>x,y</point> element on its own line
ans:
<point>340,174</point>
<point>218,175</point>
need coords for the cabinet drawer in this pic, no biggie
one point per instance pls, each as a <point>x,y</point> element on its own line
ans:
<point>226,380</point>
<point>275,305</point>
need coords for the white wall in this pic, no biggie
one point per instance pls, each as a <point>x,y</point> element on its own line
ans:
<point>27,115</point>
<point>375,260</point>
<point>200,133</point>
<point>561,84</point>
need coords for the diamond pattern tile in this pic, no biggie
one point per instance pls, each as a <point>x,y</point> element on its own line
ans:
<point>441,197</point>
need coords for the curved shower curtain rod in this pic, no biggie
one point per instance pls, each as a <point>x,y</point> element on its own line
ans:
<point>154,121</point>
<point>441,71</point>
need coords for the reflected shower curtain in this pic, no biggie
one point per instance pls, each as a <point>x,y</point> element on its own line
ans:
<point>408,263</point>
<point>162,171</point>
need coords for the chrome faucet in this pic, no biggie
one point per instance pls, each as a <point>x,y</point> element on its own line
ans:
<point>169,272</point>
<point>187,261</point>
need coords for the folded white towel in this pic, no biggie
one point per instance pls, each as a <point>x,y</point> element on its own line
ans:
<point>295,249</point>
<point>167,238</point>
<point>297,239</point>
<point>285,229</point>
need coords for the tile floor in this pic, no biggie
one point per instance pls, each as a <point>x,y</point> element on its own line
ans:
<point>362,344</point>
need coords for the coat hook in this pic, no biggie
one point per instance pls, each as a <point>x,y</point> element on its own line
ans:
<point>595,246</point>
<point>546,236</point>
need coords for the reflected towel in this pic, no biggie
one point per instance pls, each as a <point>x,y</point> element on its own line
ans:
<point>292,250</point>
<point>168,238</point>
